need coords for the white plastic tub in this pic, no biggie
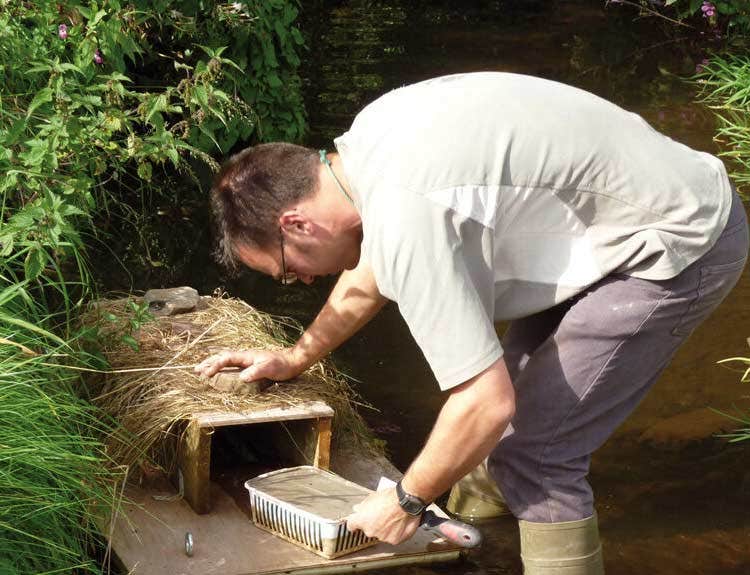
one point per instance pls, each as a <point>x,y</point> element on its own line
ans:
<point>308,506</point>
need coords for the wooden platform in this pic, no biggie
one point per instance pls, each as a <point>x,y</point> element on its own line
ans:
<point>148,538</point>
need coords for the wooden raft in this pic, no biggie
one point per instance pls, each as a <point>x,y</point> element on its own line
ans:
<point>148,534</point>
<point>148,538</point>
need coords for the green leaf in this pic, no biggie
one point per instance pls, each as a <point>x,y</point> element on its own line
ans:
<point>41,97</point>
<point>97,18</point>
<point>201,95</point>
<point>9,181</point>
<point>130,341</point>
<point>281,32</point>
<point>65,66</point>
<point>159,105</point>
<point>34,264</point>
<point>269,55</point>
<point>39,67</point>
<point>297,36</point>
<point>145,171</point>
<point>6,245</point>
<point>173,155</point>
<point>273,80</point>
<point>70,210</point>
<point>34,155</point>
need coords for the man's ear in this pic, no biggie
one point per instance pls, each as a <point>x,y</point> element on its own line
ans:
<point>293,222</point>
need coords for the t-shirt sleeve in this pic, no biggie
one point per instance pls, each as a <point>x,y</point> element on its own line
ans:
<point>435,264</point>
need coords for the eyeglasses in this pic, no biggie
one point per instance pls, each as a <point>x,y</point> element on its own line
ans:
<point>286,277</point>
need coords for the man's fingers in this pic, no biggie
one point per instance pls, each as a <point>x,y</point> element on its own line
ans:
<point>215,363</point>
<point>352,524</point>
<point>249,374</point>
<point>211,365</point>
<point>256,371</point>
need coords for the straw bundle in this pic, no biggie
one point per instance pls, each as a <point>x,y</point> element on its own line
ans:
<point>149,404</point>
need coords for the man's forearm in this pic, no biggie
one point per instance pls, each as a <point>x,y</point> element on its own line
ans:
<point>469,425</point>
<point>354,300</point>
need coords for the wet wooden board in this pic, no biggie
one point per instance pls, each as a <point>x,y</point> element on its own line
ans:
<point>148,538</point>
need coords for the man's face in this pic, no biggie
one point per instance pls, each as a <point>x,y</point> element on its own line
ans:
<point>306,256</point>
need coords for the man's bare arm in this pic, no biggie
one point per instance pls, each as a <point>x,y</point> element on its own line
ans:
<point>353,301</point>
<point>469,425</point>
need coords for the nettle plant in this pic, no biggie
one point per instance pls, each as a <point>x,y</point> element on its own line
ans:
<point>98,96</point>
<point>101,102</point>
<point>730,16</point>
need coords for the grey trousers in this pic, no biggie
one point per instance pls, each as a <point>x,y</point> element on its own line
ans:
<point>581,367</point>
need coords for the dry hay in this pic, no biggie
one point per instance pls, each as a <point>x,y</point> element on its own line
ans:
<point>151,404</point>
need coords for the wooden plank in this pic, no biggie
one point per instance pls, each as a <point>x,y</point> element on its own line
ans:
<point>310,410</point>
<point>322,456</point>
<point>149,539</point>
<point>194,464</point>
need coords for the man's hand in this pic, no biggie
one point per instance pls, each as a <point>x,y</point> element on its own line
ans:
<point>380,515</point>
<point>278,365</point>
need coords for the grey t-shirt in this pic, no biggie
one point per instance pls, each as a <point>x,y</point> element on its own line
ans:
<point>493,196</point>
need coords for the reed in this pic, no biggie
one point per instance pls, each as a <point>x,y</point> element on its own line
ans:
<point>738,416</point>
<point>724,86</point>
<point>52,477</point>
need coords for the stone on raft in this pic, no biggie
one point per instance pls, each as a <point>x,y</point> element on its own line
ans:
<point>228,380</point>
<point>171,301</point>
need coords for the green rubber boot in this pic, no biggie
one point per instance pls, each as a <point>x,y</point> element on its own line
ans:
<point>476,496</point>
<point>567,548</point>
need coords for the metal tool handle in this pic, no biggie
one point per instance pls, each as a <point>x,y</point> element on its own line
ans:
<point>454,531</point>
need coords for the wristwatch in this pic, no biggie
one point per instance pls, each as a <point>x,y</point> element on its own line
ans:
<point>412,504</point>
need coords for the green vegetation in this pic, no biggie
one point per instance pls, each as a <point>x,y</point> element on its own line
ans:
<point>103,105</point>
<point>722,16</point>
<point>742,418</point>
<point>51,475</point>
<point>724,83</point>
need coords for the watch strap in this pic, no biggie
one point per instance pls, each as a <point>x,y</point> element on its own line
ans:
<point>411,504</point>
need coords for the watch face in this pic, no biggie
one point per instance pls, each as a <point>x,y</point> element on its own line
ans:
<point>411,505</point>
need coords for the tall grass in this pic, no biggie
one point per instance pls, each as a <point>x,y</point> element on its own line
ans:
<point>739,416</point>
<point>725,87</point>
<point>53,473</point>
<point>724,84</point>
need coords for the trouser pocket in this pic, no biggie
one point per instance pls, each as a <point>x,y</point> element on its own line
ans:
<point>714,284</point>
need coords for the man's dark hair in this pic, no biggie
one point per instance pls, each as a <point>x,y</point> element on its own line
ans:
<point>251,191</point>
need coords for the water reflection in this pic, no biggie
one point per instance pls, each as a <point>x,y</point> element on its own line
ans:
<point>360,49</point>
<point>671,499</point>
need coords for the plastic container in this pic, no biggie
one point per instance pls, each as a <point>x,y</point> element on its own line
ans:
<point>308,506</point>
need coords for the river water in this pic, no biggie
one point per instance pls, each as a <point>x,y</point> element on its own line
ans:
<point>671,497</point>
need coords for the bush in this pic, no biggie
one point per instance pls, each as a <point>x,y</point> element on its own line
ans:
<point>731,17</point>
<point>101,104</point>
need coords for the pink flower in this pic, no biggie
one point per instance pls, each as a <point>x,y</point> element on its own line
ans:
<point>98,57</point>
<point>62,31</point>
